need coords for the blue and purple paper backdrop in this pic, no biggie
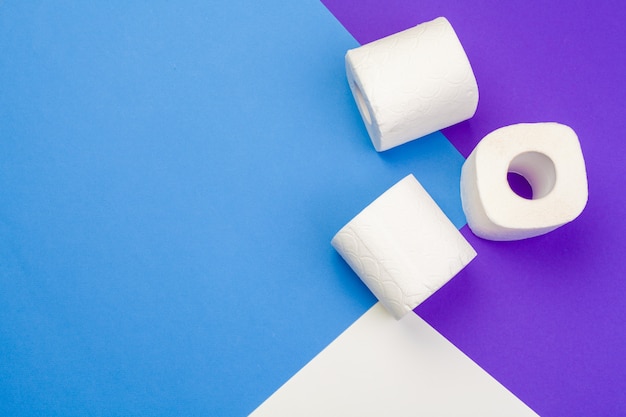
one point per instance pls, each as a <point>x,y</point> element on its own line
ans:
<point>544,316</point>
<point>172,174</point>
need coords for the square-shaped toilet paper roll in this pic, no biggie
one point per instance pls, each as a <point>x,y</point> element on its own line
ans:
<point>403,247</point>
<point>549,156</point>
<point>412,83</point>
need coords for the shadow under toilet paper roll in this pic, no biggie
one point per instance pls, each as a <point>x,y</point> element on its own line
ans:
<point>548,156</point>
<point>412,83</point>
<point>403,247</point>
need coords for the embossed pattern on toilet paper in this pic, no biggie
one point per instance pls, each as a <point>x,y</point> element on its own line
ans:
<point>413,83</point>
<point>403,247</point>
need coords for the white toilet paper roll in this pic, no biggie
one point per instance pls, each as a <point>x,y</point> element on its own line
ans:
<point>403,247</point>
<point>549,156</point>
<point>412,83</point>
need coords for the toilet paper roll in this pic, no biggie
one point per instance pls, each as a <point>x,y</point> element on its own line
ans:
<point>403,247</point>
<point>549,156</point>
<point>412,83</point>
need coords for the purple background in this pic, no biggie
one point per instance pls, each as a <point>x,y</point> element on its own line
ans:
<point>545,316</point>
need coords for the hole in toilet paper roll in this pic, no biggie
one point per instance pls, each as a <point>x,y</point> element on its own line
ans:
<point>360,102</point>
<point>520,185</point>
<point>537,170</point>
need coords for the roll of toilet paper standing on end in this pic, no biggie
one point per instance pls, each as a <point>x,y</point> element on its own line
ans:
<point>403,247</point>
<point>549,156</point>
<point>412,83</point>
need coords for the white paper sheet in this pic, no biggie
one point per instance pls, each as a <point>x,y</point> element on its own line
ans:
<point>381,366</point>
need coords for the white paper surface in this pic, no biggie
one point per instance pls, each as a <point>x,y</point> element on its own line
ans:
<point>403,246</point>
<point>383,367</point>
<point>549,156</point>
<point>412,83</point>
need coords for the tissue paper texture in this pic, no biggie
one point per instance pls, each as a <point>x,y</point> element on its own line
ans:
<point>403,247</point>
<point>412,83</point>
<point>549,156</point>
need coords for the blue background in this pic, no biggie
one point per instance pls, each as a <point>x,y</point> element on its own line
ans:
<point>171,174</point>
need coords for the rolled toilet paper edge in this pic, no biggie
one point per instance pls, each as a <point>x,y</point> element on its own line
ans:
<point>362,103</point>
<point>398,107</point>
<point>552,157</point>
